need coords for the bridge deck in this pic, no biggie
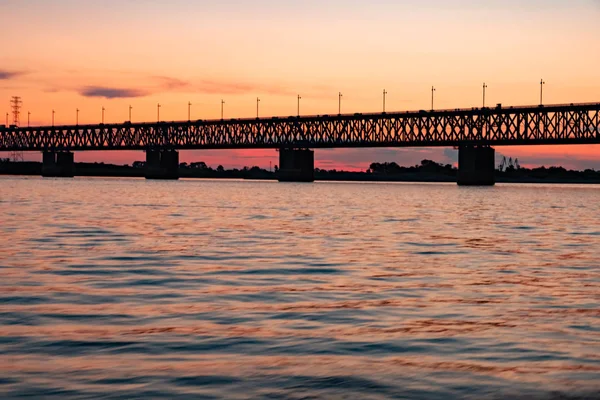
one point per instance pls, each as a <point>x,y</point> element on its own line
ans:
<point>522,125</point>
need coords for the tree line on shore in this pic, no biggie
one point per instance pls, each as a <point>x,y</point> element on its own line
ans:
<point>426,170</point>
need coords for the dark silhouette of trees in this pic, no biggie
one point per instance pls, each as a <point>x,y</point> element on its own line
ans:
<point>427,170</point>
<point>199,165</point>
<point>426,166</point>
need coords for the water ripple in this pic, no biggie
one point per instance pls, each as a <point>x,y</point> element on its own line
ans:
<point>122,288</point>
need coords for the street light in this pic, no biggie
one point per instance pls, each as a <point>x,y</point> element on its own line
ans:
<point>53,117</point>
<point>384,94</point>
<point>542,83</point>
<point>7,120</point>
<point>257,102</point>
<point>130,108</point>
<point>340,103</point>
<point>77,116</point>
<point>433,89</point>
<point>158,112</point>
<point>222,106</point>
<point>484,87</point>
<point>103,115</point>
<point>28,116</point>
<point>299,98</point>
<point>189,110</point>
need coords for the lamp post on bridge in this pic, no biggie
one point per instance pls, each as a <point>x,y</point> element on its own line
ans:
<point>28,116</point>
<point>433,89</point>
<point>130,108</point>
<point>222,108</point>
<point>542,83</point>
<point>189,110</point>
<point>7,120</point>
<point>257,103</point>
<point>384,94</point>
<point>103,109</point>
<point>484,87</point>
<point>158,112</point>
<point>53,117</point>
<point>299,98</point>
<point>340,103</point>
<point>77,116</point>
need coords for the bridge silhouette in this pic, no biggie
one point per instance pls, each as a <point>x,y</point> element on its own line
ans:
<point>473,131</point>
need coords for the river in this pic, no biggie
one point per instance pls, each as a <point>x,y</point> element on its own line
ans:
<point>126,288</point>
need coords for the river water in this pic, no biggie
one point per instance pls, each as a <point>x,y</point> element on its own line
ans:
<point>126,288</point>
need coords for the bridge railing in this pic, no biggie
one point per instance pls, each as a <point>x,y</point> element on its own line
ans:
<point>306,117</point>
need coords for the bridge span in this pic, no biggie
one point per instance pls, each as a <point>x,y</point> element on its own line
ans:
<point>474,131</point>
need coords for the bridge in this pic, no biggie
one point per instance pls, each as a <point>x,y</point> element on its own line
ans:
<point>473,131</point>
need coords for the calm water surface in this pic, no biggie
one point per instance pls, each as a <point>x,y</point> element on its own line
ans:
<point>118,288</point>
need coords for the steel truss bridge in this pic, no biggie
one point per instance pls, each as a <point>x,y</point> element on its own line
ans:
<point>527,125</point>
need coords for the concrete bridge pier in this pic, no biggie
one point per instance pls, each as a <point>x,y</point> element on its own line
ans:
<point>296,165</point>
<point>476,165</point>
<point>162,164</point>
<point>58,164</point>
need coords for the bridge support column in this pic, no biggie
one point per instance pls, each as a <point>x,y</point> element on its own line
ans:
<point>296,165</point>
<point>162,164</point>
<point>476,166</point>
<point>58,164</point>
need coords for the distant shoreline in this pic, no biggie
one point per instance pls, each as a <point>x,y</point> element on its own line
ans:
<point>110,170</point>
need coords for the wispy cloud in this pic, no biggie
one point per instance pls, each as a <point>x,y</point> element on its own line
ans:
<point>167,83</point>
<point>214,86</point>
<point>162,84</point>
<point>153,85</point>
<point>111,92</point>
<point>6,75</point>
<point>219,86</point>
<point>129,84</point>
<point>232,87</point>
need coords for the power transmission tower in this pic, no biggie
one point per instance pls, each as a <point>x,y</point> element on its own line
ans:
<point>16,104</point>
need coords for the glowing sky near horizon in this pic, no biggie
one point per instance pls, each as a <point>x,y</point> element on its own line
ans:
<point>67,54</point>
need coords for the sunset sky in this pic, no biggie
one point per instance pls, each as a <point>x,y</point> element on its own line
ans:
<point>68,54</point>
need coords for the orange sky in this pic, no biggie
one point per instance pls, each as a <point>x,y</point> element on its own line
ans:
<point>68,54</point>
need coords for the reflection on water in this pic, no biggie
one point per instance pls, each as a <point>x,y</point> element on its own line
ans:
<point>121,288</point>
